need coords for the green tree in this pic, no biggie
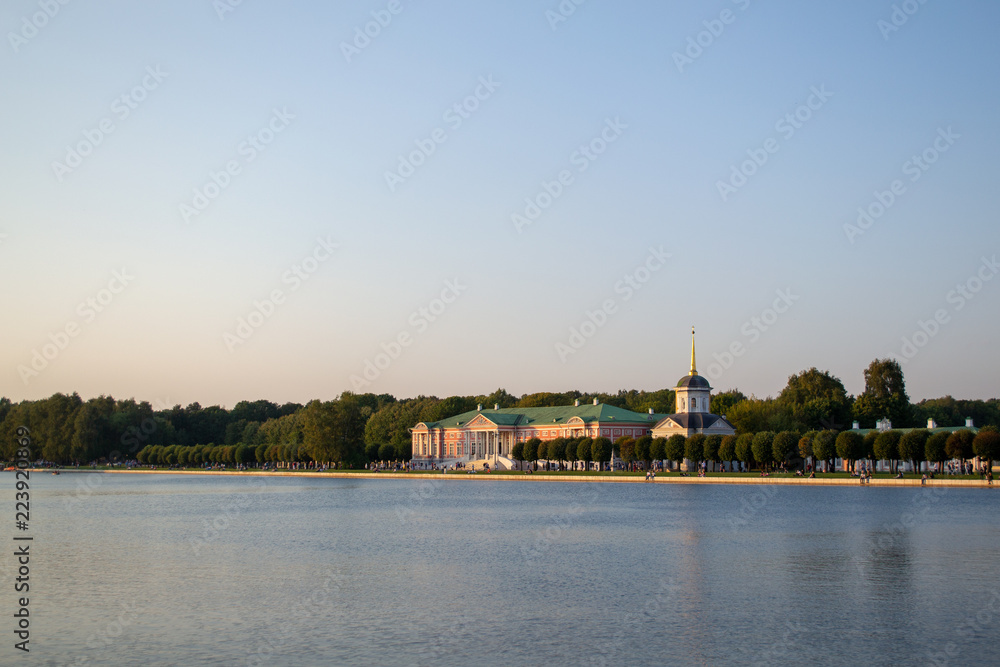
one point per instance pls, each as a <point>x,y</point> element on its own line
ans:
<point>260,452</point>
<point>727,448</point>
<point>744,449</point>
<point>242,454</point>
<point>694,449</point>
<point>986,445</point>
<point>724,402</point>
<point>884,395</point>
<point>569,455</point>
<point>755,415</point>
<point>542,453</point>
<point>806,446</point>
<point>959,444</point>
<point>600,450</point>
<point>762,444</point>
<point>531,451</point>
<point>674,449</point>
<point>334,431</point>
<point>824,446</point>
<point>850,447</point>
<point>934,448</point>
<point>642,447</point>
<point>557,449</point>
<point>517,453</point>
<point>913,447</point>
<point>817,399</point>
<point>583,452</point>
<point>712,445</point>
<point>887,447</point>
<point>784,447</point>
<point>626,448</point>
<point>386,452</point>
<point>869,445</point>
<point>656,449</point>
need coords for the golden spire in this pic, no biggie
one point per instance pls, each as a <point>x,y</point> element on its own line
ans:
<point>694,369</point>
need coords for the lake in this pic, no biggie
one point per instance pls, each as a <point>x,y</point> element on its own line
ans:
<point>196,570</point>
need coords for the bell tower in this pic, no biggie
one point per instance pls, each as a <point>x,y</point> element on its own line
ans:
<point>693,393</point>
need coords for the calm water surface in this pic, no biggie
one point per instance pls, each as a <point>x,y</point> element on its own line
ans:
<point>176,570</point>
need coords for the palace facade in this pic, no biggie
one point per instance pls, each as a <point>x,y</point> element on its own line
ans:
<point>491,434</point>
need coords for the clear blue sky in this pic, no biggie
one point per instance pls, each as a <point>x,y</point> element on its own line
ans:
<point>329,125</point>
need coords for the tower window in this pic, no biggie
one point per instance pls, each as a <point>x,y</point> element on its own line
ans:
<point>694,403</point>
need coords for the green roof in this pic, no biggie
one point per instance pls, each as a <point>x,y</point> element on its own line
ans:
<point>554,416</point>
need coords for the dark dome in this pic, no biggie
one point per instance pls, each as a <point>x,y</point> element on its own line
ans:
<point>694,382</point>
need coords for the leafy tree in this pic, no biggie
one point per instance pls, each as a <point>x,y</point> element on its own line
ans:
<point>570,454</point>
<point>934,448</point>
<point>371,452</point>
<point>712,445</point>
<point>543,400</point>
<point>824,446</point>
<point>887,447</point>
<point>947,411</point>
<point>817,399</point>
<point>626,448</point>
<point>723,402</point>
<point>517,453</point>
<point>784,447</point>
<point>694,448</point>
<point>242,454</point>
<point>913,445</point>
<point>583,450</point>
<point>755,415</point>
<point>387,452</point>
<point>557,449</point>
<point>499,397</point>
<point>334,431</point>
<point>986,445</point>
<point>884,395</point>
<point>959,444</point>
<point>656,449</point>
<point>806,446</point>
<point>260,452</point>
<point>762,445</point>
<point>869,444</point>
<point>744,449</point>
<point>727,448</point>
<point>542,452</point>
<point>600,450</point>
<point>531,450</point>
<point>674,449</point>
<point>850,447</point>
<point>642,447</point>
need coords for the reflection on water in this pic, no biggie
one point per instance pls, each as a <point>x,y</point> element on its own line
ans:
<point>164,570</point>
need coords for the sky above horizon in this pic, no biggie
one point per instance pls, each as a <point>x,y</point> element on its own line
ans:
<point>211,201</point>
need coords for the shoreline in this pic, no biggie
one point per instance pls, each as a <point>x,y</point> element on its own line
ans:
<point>623,479</point>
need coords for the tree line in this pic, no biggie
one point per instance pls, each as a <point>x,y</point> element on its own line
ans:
<point>768,450</point>
<point>354,429</point>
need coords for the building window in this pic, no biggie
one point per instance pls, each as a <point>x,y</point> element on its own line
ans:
<point>694,403</point>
